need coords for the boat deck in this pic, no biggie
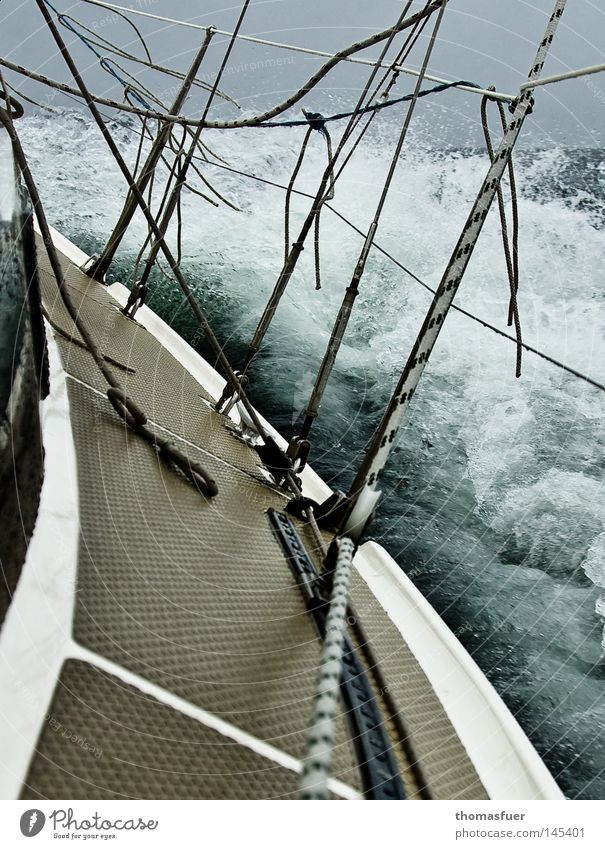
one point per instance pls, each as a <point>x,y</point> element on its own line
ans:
<point>190,669</point>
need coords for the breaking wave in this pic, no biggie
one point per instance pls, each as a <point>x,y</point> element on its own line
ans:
<point>494,500</point>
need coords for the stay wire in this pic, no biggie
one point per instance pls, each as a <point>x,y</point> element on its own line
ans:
<point>511,251</point>
<point>186,289</point>
<point>298,246</point>
<point>553,361</point>
<point>352,290</point>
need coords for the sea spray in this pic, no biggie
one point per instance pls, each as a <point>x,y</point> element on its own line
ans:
<point>493,501</point>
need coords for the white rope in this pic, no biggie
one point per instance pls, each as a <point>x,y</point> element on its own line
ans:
<point>495,95</point>
<point>385,434</point>
<point>568,75</point>
<point>320,734</point>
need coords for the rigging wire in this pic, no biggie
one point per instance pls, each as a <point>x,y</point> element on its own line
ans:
<point>404,51</point>
<point>142,114</point>
<point>498,95</point>
<point>352,289</point>
<point>317,121</point>
<point>126,408</point>
<point>511,249</point>
<point>456,307</point>
<point>100,266</point>
<point>376,246</point>
<point>295,97</point>
<point>567,75</point>
<point>374,107</point>
<point>363,491</point>
<point>137,89</point>
<point>132,24</point>
<point>553,361</point>
<point>144,103</point>
<point>44,107</point>
<point>175,194</point>
<point>185,288</point>
<point>293,177</point>
<point>70,23</point>
<point>174,119</point>
<point>298,246</point>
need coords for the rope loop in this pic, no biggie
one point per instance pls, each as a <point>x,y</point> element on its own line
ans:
<point>196,473</point>
<point>126,408</point>
<point>15,107</point>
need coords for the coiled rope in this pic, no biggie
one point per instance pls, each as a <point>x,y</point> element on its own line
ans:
<point>321,731</point>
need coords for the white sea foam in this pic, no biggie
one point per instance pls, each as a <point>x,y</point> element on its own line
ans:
<point>522,460</point>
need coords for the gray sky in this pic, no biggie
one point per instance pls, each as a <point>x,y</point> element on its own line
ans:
<point>488,41</point>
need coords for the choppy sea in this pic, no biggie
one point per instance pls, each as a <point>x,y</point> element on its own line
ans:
<point>494,499</point>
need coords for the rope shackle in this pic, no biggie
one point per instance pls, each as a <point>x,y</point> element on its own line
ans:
<point>135,300</point>
<point>298,452</point>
